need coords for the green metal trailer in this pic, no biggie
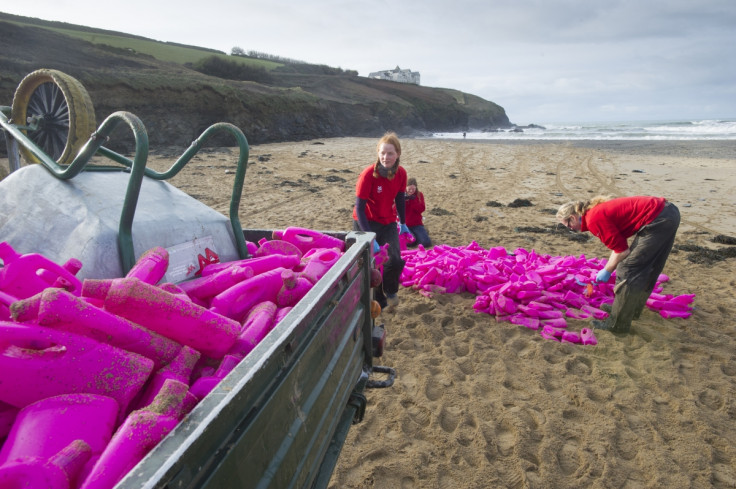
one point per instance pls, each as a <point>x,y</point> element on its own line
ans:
<point>280,418</point>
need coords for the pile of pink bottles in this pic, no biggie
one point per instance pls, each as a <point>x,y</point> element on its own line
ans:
<point>94,373</point>
<point>525,288</point>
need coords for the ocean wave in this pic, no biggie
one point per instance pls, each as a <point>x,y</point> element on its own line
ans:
<point>682,130</point>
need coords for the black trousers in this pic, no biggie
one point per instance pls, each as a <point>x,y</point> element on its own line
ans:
<point>387,233</point>
<point>637,275</point>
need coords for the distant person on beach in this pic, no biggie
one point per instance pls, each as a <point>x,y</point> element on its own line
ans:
<point>380,186</point>
<point>652,221</point>
<point>414,208</point>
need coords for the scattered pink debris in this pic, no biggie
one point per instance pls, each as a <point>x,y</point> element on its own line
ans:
<point>526,288</point>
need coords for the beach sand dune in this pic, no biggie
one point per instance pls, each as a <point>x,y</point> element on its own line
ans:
<point>482,404</point>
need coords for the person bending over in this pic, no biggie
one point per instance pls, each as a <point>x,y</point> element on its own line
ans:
<point>652,222</point>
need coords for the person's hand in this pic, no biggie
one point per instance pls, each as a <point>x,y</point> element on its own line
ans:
<point>404,228</point>
<point>603,276</point>
<point>376,248</point>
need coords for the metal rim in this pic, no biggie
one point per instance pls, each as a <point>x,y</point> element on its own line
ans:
<point>48,102</point>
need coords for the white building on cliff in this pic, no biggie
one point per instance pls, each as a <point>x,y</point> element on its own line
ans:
<point>397,75</point>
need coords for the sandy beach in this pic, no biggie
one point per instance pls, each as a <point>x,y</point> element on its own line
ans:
<point>482,404</point>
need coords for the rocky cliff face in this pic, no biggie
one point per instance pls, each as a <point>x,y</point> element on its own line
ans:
<point>177,104</point>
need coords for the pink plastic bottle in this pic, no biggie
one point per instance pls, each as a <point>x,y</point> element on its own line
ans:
<point>60,310</point>
<point>204,385</point>
<point>45,427</point>
<point>256,326</point>
<point>174,289</point>
<point>57,472</point>
<point>306,239</point>
<point>7,417</point>
<point>256,266</point>
<point>206,287</point>
<point>236,301</point>
<point>319,263</point>
<point>151,266</point>
<point>295,287</point>
<point>179,369</point>
<point>38,362</point>
<point>140,432</point>
<point>19,277</point>
<point>277,247</point>
<point>72,265</point>
<point>404,240</point>
<point>587,337</point>
<point>166,314</point>
<point>5,301</point>
<point>280,315</point>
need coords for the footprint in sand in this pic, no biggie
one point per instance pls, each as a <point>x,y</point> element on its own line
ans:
<point>435,388</point>
<point>466,432</point>
<point>450,418</point>
<point>467,366</point>
<point>505,438</point>
<point>626,443</point>
<point>711,399</point>
<point>568,457</point>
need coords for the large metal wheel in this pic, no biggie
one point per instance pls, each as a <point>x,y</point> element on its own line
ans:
<point>67,116</point>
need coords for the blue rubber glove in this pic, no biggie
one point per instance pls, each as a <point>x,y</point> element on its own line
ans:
<point>376,248</point>
<point>404,229</point>
<point>603,276</point>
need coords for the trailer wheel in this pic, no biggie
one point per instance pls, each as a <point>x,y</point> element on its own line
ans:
<point>66,110</point>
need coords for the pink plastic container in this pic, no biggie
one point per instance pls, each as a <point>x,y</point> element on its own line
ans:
<point>208,286</point>
<point>151,266</point>
<point>255,327</point>
<point>5,301</point>
<point>277,247</point>
<point>7,417</point>
<point>38,362</point>
<point>167,314</point>
<point>319,263</point>
<point>306,239</point>
<point>295,287</point>
<point>179,369</point>
<point>256,265</point>
<point>45,427</point>
<point>72,266</point>
<point>236,301</point>
<point>57,472</point>
<point>140,432</point>
<point>60,310</point>
<point>404,240</point>
<point>21,277</point>
<point>587,337</point>
<point>204,385</point>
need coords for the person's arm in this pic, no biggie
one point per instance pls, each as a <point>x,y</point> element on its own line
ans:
<point>615,259</point>
<point>360,212</point>
<point>401,207</point>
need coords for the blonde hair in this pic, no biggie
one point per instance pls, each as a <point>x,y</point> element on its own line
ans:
<point>393,139</point>
<point>578,208</point>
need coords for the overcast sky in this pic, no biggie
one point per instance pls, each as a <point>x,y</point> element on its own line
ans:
<point>542,60</point>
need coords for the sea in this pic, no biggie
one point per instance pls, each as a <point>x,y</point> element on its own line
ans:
<point>683,130</point>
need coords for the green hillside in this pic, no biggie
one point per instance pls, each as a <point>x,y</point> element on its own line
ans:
<point>179,90</point>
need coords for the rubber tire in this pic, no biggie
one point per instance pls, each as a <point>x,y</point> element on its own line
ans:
<point>81,113</point>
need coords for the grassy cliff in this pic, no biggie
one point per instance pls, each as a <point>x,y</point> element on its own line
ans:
<point>178,91</point>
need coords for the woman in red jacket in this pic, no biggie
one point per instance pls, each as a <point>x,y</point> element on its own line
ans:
<point>652,221</point>
<point>380,186</point>
<point>414,209</point>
